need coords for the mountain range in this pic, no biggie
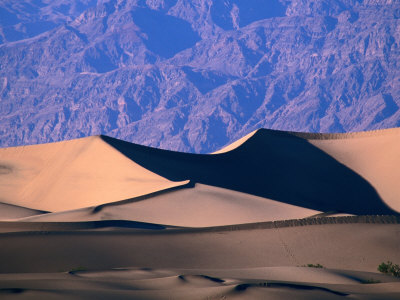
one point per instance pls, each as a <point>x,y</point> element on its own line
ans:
<point>195,75</point>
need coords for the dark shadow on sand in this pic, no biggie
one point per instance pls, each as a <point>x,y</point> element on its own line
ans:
<point>271,164</point>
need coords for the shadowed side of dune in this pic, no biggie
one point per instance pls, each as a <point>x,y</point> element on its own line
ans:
<point>275,165</point>
<point>21,226</point>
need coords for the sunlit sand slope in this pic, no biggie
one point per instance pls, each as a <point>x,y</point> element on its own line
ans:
<point>10,212</point>
<point>100,218</point>
<point>352,173</point>
<point>191,206</point>
<point>72,174</point>
<point>374,155</point>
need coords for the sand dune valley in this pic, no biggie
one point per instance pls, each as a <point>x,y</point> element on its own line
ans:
<point>101,218</point>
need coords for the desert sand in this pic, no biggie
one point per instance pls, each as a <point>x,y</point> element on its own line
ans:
<point>73,174</point>
<point>100,218</point>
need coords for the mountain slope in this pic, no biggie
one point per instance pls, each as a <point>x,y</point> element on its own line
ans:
<point>194,76</point>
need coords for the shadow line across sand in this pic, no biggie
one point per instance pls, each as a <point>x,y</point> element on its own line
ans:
<point>271,164</point>
<point>101,227</point>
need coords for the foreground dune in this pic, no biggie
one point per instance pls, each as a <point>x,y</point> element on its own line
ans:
<point>139,283</point>
<point>254,261</point>
<point>334,245</point>
<point>100,218</point>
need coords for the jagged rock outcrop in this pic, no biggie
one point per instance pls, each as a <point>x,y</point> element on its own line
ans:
<point>195,75</point>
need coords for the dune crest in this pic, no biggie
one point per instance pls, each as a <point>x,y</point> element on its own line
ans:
<point>322,170</point>
<point>374,155</point>
<point>10,212</point>
<point>109,219</point>
<point>280,166</point>
<point>198,206</point>
<point>71,175</point>
<point>237,143</point>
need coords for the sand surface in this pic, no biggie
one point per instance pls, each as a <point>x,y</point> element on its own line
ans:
<point>374,156</point>
<point>99,218</point>
<point>197,206</point>
<point>72,174</point>
<point>11,212</point>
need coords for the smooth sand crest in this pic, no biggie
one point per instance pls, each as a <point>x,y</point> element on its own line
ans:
<point>113,230</point>
<point>200,206</point>
<point>11,212</point>
<point>373,155</point>
<point>236,144</point>
<point>288,168</point>
<point>72,174</point>
<point>315,171</point>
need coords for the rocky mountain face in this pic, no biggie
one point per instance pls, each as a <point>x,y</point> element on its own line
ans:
<point>196,75</point>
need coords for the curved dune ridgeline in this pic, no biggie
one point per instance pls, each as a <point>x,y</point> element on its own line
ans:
<point>275,215</point>
<point>71,175</point>
<point>282,166</point>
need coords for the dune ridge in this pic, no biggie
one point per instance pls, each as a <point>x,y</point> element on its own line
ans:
<point>188,205</point>
<point>105,218</point>
<point>72,174</point>
<point>266,164</point>
<point>341,246</point>
<point>10,212</point>
<point>28,225</point>
<point>139,283</point>
<point>311,136</point>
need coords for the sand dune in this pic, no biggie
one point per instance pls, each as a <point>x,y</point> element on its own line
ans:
<point>371,154</point>
<point>351,246</point>
<point>100,218</point>
<point>236,264</point>
<point>374,156</point>
<point>72,174</point>
<point>198,206</point>
<point>10,212</point>
<point>137,283</point>
<point>322,171</point>
<point>291,168</point>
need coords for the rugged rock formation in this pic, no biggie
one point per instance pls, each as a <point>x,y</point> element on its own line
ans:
<point>195,75</point>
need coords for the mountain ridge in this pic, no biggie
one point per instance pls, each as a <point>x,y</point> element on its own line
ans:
<point>212,73</point>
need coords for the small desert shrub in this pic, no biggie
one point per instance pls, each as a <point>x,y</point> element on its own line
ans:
<point>389,268</point>
<point>314,266</point>
<point>370,281</point>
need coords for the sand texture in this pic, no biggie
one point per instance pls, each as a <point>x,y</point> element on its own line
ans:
<point>100,218</point>
<point>73,174</point>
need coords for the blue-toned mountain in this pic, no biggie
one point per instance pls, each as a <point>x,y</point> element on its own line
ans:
<point>196,75</point>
